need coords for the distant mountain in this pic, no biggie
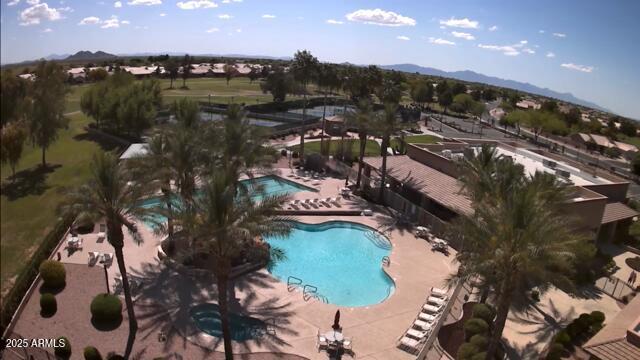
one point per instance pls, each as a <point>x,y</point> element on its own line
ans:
<point>57,56</point>
<point>88,55</point>
<point>472,76</point>
<point>179,53</point>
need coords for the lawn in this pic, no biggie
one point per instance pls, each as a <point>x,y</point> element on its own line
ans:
<point>372,148</point>
<point>28,205</point>
<point>416,139</point>
<point>635,140</point>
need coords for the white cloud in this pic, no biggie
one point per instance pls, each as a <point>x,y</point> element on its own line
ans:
<point>145,2</point>
<point>380,17</point>
<point>463,35</point>
<point>230,1</point>
<point>508,50</point>
<point>439,41</point>
<point>550,55</point>
<point>113,22</point>
<point>198,4</point>
<point>268,16</point>
<point>541,31</point>
<point>33,2</point>
<point>125,22</point>
<point>460,23</point>
<point>335,22</point>
<point>524,42</point>
<point>529,51</point>
<point>402,37</point>
<point>117,4</point>
<point>493,28</point>
<point>47,30</point>
<point>225,16</point>
<point>212,30</point>
<point>91,20</point>
<point>33,15</point>
<point>583,68</point>
<point>163,14</point>
<point>13,3</point>
<point>239,30</point>
<point>560,35</point>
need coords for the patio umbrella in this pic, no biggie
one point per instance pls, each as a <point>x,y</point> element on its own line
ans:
<point>336,321</point>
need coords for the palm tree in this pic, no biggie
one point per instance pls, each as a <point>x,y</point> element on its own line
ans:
<point>304,69</point>
<point>327,80</point>
<point>362,117</point>
<point>386,125</point>
<point>518,237</point>
<point>110,196</point>
<point>222,224</point>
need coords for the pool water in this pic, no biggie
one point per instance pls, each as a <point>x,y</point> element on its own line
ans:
<point>342,259</point>
<point>270,185</point>
<point>207,319</point>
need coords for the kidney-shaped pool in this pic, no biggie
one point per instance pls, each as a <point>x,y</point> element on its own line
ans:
<point>343,260</point>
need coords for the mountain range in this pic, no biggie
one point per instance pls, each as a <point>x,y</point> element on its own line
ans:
<point>472,76</point>
<point>88,55</point>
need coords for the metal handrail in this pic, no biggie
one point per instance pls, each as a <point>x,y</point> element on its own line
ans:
<point>386,261</point>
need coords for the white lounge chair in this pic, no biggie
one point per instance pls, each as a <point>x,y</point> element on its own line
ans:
<point>431,309</point>
<point>423,325</point>
<point>347,344</point>
<point>416,334</point>
<point>102,233</point>
<point>336,200</point>
<point>93,257</point>
<point>107,258</point>
<point>427,317</point>
<point>438,292</point>
<point>409,345</point>
<point>436,301</point>
<point>321,342</point>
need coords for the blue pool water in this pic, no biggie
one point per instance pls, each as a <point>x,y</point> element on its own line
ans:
<point>270,185</point>
<point>207,319</point>
<point>342,259</point>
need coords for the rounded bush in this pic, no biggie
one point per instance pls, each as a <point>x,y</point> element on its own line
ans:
<point>48,304</point>
<point>484,312</point>
<point>479,356</point>
<point>474,327</point>
<point>480,341</point>
<point>106,308</point>
<point>597,317</point>
<point>116,357</point>
<point>91,353</point>
<point>65,350</point>
<point>563,338</point>
<point>556,351</point>
<point>53,274</point>
<point>466,351</point>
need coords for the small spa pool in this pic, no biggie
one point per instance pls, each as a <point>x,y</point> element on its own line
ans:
<point>343,260</point>
<point>207,318</point>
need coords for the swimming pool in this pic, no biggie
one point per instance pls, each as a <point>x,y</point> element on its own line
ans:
<point>342,259</point>
<point>207,318</point>
<point>270,185</point>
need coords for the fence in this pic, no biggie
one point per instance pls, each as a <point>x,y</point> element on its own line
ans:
<point>614,287</point>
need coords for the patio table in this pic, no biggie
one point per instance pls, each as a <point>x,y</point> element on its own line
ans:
<point>334,336</point>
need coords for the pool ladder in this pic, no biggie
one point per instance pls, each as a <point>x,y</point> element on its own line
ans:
<point>311,292</point>
<point>386,261</point>
<point>378,240</point>
<point>293,282</point>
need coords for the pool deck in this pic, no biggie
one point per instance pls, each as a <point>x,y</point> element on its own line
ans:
<point>166,296</point>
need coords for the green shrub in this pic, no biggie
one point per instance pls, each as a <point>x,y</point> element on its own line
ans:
<point>563,338</point>
<point>53,274</point>
<point>535,295</point>
<point>466,351</point>
<point>475,326</point>
<point>63,351</point>
<point>479,356</point>
<point>106,308</point>
<point>597,317</point>
<point>480,341</point>
<point>484,312</point>
<point>556,351</point>
<point>91,353</point>
<point>116,357</point>
<point>48,304</point>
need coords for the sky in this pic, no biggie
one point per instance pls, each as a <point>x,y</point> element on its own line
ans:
<point>587,47</point>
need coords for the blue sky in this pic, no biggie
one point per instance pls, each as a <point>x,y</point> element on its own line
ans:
<point>589,48</point>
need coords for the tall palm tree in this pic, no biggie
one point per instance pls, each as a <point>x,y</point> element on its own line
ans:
<point>362,119</point>
<point>386,125</point>
<point>110,196</point>
<point>518,237</point>
<point>327,80</point>
<point>222,223</point>
<point>304,69</point>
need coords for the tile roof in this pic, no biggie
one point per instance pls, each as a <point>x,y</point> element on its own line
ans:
<point>617,211</point>
<point>436,185</point>
<point>611,342</point>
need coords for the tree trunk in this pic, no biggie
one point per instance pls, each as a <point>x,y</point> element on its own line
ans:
<point>223,303</point>
<point>363,145</point>
<point>343,131</point>
<point>44,161</point>
<point>383,170</point>
<point>324,111</point>
<point>133,323</point>
<point>302,131</point>
<point>171,83</point>
<point>504,304</point>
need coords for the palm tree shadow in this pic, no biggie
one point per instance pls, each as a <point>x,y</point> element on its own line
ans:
<point>32,181</point>
<point>166,297</point>
<point>106,143</point>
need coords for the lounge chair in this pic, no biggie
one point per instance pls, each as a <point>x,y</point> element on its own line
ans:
<point>102,233</point>
<point>321,342</point>
<point>336,200</point>
<point>417,334</point>
<point>347,344</point>
<point>436,300</point>
<point>409,345</point>
<point>93,257</point>
<point>427,317</point>
<point>107,258</point>
<point>307,202</point>
<point>423,325</point>
<point>431,309</point>
<point>438,292</point>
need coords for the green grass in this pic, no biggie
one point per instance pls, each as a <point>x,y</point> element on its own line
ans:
<point>635,140</point>
<point>28,212</point>
<point>372,148</point>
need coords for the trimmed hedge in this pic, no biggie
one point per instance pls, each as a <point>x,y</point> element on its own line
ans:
<point>30,272</point>
<point>53,274</point>
<point>479,341</point>
<point>484,312</point>
<point>475,326</point>
<point>91,353</point>
<point>116,357</point>
<point>48,304</point>
<point>64,351</point>
<point>106,308</point>
<point>466,351</point>
<point>555,352</point>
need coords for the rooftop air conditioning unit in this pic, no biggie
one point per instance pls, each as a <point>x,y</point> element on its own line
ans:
<point>563,173</point>
<point>446,154</point>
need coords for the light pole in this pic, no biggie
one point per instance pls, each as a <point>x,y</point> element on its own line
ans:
<point>106,277</point>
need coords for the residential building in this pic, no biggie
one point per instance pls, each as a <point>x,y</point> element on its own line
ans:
<point>528,104</point>
<point>620,336</point>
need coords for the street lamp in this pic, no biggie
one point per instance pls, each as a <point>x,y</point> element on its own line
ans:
<point>106,276</point>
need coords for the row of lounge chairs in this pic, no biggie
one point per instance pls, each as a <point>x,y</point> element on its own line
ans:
<point>424,323</point>
<point>104,258</point>
<point>315,203</point>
